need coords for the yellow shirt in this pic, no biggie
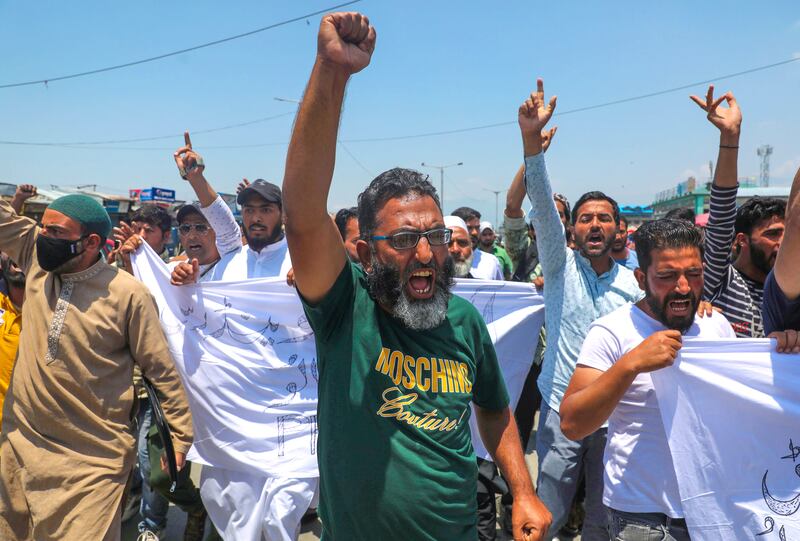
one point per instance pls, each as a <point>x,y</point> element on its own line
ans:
<point>10,324</point>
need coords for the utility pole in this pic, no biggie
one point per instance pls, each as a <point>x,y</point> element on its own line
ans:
<point>496,206</point>
<point>441,169</point>
<point>764,152</point>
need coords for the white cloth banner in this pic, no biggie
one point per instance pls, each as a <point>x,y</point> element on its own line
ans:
<point>247,358</point>
<point>731,411</point>
<point>514,314</point>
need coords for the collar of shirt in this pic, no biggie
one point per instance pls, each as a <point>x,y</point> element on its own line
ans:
<point>267,251</point>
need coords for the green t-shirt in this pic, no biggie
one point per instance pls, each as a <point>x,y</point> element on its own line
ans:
<point>505,260</point>
<point>395,454</point>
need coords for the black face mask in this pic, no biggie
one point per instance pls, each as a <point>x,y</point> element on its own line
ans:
<point>53,253</point>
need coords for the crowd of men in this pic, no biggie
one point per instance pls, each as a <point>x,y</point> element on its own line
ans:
<point>81,342</point>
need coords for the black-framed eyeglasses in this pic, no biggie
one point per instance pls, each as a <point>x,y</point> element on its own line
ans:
<point>201,229</point>
<point>405,240</point>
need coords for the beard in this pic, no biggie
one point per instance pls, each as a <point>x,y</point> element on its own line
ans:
<point>760,259</point>
<point>659,307</point>
<point>259,243</point>
<point>388,289</point>
<point>581,242</point>
<point>461,268</point>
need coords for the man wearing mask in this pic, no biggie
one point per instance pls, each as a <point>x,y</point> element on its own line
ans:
<point>68,414</point>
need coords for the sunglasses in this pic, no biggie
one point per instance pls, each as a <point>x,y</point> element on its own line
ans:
<point>200,229</point>
<point>405,240</point>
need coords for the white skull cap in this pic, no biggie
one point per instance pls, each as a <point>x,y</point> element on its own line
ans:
<point>454,221</point>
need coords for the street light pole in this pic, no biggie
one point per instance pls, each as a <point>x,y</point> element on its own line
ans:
<point>496,205</point>
<point>441,169</point>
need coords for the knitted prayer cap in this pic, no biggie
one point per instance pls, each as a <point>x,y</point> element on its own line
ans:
<point>86,211</point>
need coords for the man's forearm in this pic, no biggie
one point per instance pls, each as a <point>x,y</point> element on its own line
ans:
<point>549,231</point>
<point>727,173</point>
<point>204,191</point>
<point>584,411</point>
<point>516,194</point>
<point>501,437</point>
<point>312,152</point>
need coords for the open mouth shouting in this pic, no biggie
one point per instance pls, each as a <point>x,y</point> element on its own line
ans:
<point>194,250</point>
<point>420,283</point>
<point>257,229</point>
<point>680,308</point>
<point>595,241</point>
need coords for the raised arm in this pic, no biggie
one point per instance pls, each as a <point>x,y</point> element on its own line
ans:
<point>515,226</point>
<point>533,116</point>
<point>344,47</point>
<point>722,205</point>
<point>22,194</point>
<point>17,236</point>
<point>788,260</point>
<point>216,211</point>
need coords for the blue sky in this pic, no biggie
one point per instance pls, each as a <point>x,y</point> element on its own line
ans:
<point>437,66</point>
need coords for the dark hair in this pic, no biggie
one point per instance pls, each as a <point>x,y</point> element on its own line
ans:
<point>662,234</point>
<point>622,218</point>
<point>564,201</point>
<point>344,216</point>
<point>594,196</point>
<point>686,215</point>
<point>153,215</point>
<point>390,184</point>
<point>466,213</point>
<point>757,209</point>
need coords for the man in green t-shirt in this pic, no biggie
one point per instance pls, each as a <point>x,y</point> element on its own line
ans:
<point>401,360</point>
<point>488,243</point>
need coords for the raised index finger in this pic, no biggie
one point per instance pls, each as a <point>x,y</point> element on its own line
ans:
<point>187,140</point>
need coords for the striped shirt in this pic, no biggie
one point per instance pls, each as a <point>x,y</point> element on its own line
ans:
<point>738,296</point>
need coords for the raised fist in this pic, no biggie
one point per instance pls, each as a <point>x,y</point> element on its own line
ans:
<point>25,191</point>
<point>346,40</point>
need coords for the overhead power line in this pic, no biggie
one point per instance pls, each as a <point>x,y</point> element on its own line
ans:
<point>77,144</point>
<point>579,109</point>
<point>175,53</point>
<point>401,137</point>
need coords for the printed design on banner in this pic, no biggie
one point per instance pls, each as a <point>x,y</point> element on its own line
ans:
<point>780,507</point>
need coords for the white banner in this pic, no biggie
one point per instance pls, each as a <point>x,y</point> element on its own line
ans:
<point>247,358</point>
<point>514,314</point>
<point>731,411</point>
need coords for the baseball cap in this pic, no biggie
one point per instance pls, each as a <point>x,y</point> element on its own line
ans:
<point>485,226</point>
<point>267,190</point>
<point>186,210</point>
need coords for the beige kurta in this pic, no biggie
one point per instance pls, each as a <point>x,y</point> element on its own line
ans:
<point>67,444</point>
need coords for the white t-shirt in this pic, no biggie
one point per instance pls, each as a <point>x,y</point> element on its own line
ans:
<point>639,476</point>
<point>485,266</point>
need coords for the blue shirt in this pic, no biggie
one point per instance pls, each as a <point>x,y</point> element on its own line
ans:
<point>631,262</point>
<point>574,295</point>
<point>780,313</point>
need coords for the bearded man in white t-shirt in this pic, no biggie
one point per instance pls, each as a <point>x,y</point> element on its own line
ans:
<point>612,381</point>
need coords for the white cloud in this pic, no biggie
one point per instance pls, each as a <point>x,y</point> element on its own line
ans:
<point>796,54</point>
